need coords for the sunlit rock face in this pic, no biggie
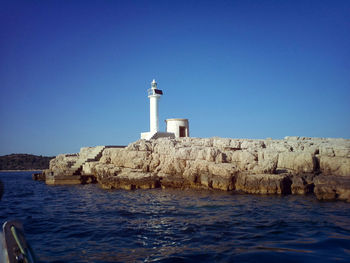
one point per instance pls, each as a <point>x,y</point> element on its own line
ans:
<point>294,165</point>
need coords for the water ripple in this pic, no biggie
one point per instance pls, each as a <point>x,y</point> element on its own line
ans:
<point>88,224</point>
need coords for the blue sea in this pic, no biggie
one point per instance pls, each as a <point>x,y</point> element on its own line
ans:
<point>84,223</point>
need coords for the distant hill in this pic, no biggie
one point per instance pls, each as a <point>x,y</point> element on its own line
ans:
<point>24,162</point>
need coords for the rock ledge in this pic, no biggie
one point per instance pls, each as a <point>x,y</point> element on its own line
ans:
<point>295,165</point>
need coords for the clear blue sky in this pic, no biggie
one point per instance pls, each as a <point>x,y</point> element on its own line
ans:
<point>75,73</point>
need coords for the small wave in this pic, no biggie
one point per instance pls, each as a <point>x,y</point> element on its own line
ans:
<point>87,224</point>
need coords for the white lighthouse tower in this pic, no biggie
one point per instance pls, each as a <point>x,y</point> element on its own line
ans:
<point>154,95</point>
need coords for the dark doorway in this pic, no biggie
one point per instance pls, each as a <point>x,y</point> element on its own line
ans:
<point>182,131</point>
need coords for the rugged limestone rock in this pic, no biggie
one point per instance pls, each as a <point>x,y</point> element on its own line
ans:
<point>337,166</point>
<point>38,177</point>
<point>63,161</point>
<point>302,184</point>
<point>264,183</point>
<point>297,162</point>
<point>129,179</point>
<point>295,165</point>
<point>332,187</point>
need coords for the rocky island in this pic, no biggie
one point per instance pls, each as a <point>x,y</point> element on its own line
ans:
<point>294,165</point>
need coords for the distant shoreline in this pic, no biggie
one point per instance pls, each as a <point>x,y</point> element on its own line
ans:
<point>24,162</point>
<point>27,170</point>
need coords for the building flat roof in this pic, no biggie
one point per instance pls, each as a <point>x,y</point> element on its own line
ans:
<point>176,120</point>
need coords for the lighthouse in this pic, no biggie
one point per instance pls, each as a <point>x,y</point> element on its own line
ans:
<point>175,127</point>
<point>154,95</point>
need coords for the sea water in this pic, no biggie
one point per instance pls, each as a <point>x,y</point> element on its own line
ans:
<point>84,223</point>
